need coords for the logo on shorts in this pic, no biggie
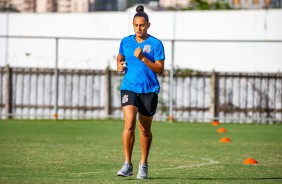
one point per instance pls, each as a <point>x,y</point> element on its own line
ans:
<point>147,48</point>
<point>125,98</point>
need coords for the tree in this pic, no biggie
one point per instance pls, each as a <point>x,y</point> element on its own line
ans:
<point>205,5</point>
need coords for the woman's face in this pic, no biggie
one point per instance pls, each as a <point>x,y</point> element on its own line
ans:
<point>140,26</point>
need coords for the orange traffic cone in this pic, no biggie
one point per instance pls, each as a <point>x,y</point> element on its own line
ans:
<point>225,140</point>
<point>55,116</point>
<point>250,161</point>
<point>221,130</point>
<point>215,123</point>
<point>170,118</point>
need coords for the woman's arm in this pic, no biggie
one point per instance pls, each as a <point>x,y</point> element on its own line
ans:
<point>157,66</point>
<point>120,63</point>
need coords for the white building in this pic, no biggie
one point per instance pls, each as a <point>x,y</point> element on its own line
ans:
<point>256,35</point>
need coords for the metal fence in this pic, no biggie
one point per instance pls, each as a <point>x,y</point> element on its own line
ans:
<point>93,94</point>
<point>185,95</point>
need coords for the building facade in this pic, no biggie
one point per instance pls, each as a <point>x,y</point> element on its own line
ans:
<point>68,6</point>
<point>236,4</point>
<point>20,5</point>
<point>42,6</point>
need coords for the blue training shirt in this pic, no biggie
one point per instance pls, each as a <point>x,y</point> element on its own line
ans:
<point>139,78</point>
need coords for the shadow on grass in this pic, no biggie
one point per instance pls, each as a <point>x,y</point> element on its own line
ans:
<point>236,178</point>
<point>211,179</point>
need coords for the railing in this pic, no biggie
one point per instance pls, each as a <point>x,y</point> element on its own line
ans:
<point>233,97</point>
<point>191,96</point>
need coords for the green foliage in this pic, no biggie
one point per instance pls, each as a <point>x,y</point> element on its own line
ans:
<point>184,72</point>
<point>205,5</point>
<point>200,5</point>
<point>221,5</point>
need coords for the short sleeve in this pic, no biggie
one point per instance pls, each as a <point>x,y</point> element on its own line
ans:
<point>159,53</point>
<point>121,51</point>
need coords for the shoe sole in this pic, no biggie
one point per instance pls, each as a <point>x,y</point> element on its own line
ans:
<point>142,178</point>
<point>122,175</point>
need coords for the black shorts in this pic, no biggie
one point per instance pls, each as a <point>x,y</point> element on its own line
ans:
<point>145,102</point>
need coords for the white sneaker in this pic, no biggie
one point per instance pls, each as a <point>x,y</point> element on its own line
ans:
<point>143,171</point>
<point>126,170</point>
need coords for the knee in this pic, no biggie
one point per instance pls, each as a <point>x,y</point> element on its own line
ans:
<point>129,128</point>
<point>145,132</point>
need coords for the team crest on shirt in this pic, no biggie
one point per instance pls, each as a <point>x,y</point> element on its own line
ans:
<point>147,48</point>
<point>125,98</point>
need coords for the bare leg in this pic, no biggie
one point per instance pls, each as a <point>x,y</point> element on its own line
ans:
<point>146,137</point>
<point>128,136</point>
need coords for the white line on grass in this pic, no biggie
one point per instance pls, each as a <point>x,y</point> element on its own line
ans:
<point>86,173</point>
<point>207,162</point>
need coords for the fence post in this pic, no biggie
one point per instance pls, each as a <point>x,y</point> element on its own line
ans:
<point>9,93</point>
<point>108,100</point>
<point>214,96</point>
<point>171,85</point>
<point>56,75</point>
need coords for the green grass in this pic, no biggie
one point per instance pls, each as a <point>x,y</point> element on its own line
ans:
<point>49,151</point>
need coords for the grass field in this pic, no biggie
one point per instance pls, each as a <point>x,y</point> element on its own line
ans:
<point>50,151</point>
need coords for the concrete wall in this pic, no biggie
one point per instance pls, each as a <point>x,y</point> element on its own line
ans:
<point>191,25</point>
